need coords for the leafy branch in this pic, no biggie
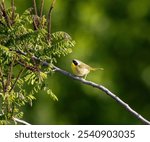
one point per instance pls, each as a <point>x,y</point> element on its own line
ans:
<point>23,45</point>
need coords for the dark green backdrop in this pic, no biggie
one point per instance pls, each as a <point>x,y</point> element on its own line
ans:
<point>114,35</point>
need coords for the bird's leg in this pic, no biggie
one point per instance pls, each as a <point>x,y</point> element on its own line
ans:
<point>85,76</point>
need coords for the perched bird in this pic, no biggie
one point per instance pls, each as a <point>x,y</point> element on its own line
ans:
<point>81,69</point>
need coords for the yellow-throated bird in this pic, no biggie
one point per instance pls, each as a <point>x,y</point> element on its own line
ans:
<point>81,69</point>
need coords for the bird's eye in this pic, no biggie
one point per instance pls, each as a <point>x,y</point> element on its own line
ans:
<point>75,62</point>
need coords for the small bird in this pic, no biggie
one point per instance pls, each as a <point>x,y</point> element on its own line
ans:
<point>81,69</point>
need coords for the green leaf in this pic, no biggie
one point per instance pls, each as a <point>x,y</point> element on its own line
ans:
<point>52,95</point>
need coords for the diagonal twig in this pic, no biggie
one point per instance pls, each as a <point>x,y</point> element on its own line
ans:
<point>19,74</point>
<point>108,92</point>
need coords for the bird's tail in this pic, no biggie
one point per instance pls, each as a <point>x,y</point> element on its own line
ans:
<point>94,69</point>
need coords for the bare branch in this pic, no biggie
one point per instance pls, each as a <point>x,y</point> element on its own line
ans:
<point>21,121</point>
<point>41,9</point>
<point>49,19</point>
<point>35,16</point>
<point>108,92</point>
<point>4,14</point>
<point>35,7</point>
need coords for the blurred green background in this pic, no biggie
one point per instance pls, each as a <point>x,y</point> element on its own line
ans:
<point>114,35</point>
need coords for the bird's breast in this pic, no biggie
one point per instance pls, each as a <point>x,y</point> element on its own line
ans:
<point>79,71</point>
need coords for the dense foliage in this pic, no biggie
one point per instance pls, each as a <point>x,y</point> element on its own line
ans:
<point>27,55</point>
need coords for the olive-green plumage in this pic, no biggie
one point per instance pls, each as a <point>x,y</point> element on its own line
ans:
<point>81,69</point>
